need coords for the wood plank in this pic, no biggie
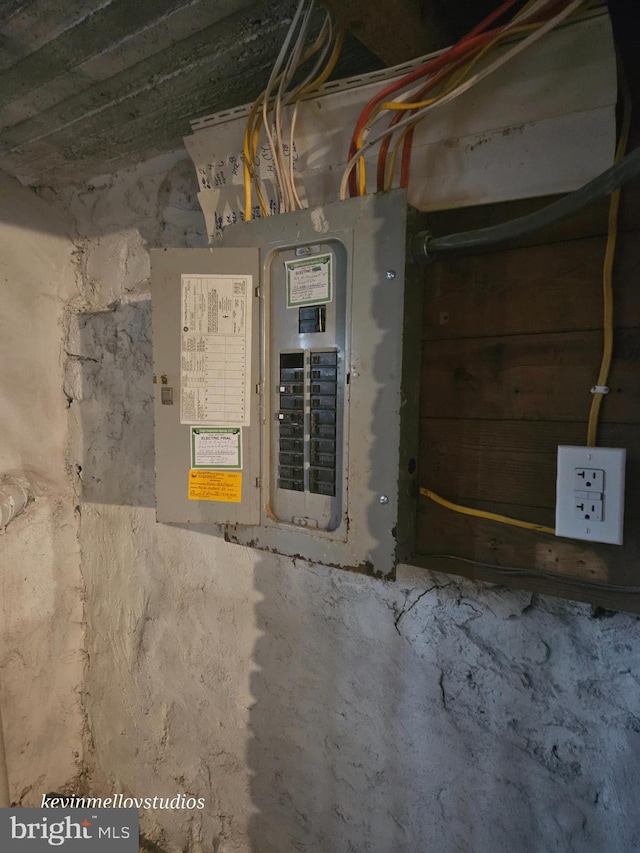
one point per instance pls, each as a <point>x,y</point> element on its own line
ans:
<point>513,462</point>
<point>591,221</point>
<point>496,407</point>
<point>531,377</point>
<point>606,599</point>
<point>551,288</point>
<point>394,32</point>
<point>441,531</point>
<point>546,288</point>
<point>624,23</point>
<point>629,218</point>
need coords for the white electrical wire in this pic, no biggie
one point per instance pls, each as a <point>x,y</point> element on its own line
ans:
<point>292,178</point>
<point>326,35</point>
<point>517,21</point>
<point>291,66</point>
<point>411,94</point>
<point>472,81</point>
<point>275,99</point>
<point>275,71</point>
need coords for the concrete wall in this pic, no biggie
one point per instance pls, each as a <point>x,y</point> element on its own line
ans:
<point>316,710</point>
<point>41,629</point>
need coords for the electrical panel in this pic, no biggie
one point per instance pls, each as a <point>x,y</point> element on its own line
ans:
<point>286,369</point>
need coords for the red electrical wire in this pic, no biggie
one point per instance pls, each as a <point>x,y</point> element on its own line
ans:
<point>475,36</point>
<point>493,16</point>
<point>433,65</point>
<point>407,147</point>
<point>386,142</point>
<point>405,163</point>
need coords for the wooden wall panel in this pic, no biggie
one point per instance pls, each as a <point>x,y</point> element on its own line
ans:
<point>533,290</point>
<point>514,462</point>
<point>536,377</point>
<point>512,341</point>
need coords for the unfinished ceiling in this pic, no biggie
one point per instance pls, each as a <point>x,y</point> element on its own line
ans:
<point>92,86</point>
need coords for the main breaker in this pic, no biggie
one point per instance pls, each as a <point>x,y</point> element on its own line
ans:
<point>286,384</point>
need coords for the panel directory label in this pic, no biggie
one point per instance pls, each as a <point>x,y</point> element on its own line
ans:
<point>215,353</point>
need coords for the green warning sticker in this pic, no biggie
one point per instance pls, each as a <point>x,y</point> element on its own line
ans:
<point>217,448</point>
<point>309,281</point>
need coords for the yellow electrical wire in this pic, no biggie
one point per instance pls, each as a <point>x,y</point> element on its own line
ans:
<point>331,64</point>
<point>457,78</point>
<point>460,75</point>
<point>248,166</point>
<point>254,121</point>
<point>388,183</point>
<point>359,163</point>
<point>607,286</point>
<point>252,134</point>
<point>607,269</point>
<point>491,516</point>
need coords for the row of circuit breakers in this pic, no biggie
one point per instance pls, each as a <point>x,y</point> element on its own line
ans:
<point>286,384</point>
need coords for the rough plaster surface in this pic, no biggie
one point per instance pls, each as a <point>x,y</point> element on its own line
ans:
<point>41,630</point>
<point>316,710</point>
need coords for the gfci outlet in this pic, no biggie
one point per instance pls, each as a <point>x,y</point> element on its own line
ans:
<point>590,493</point>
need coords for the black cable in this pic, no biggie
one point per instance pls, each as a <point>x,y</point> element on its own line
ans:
<point>537,573</point>
<point>425,248</point>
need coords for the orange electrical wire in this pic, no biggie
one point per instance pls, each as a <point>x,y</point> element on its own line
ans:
<point>386,142</point>
<point>406,137</point>
<point>474,36</point>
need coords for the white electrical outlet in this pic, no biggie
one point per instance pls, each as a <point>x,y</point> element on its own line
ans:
<point>589,508</point>
<point>591,479</point>
<point>590,493</point>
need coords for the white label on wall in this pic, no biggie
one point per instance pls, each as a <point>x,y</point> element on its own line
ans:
<point>215,353</point>
<point>216,447</point>
<point>309,281</point>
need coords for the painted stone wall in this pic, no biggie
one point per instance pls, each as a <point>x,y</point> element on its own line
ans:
<point>312,709</point>
<point>41,620</point>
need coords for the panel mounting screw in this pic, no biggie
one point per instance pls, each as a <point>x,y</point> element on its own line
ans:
<point>384,499</point>
<point>391,274</point>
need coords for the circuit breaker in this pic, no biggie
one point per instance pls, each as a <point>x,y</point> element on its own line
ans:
<point>286,367</point>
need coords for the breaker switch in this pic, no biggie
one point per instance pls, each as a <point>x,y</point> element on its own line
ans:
<point>322,420</point>
<point>312,319</point>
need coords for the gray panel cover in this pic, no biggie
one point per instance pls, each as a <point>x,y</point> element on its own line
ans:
<point>173,458</point>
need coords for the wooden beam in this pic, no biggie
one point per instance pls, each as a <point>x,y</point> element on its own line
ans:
<point>394,31</point>
<point>399,30</point>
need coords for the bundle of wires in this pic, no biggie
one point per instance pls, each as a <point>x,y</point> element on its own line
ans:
<point>443,78</point>
<point>276,109</point>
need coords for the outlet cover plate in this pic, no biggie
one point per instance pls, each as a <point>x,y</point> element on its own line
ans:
<point>611,461</point>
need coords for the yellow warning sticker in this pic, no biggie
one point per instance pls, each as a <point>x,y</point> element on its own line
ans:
<point>215,486</point>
